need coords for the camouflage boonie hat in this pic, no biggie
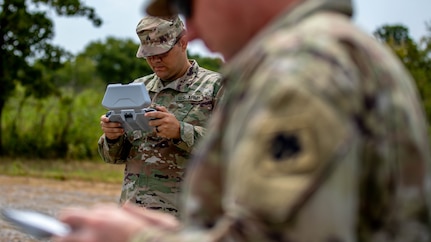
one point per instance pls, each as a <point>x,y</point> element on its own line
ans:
<point>158,35</point>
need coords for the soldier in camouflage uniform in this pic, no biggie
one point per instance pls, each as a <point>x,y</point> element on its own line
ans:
<point>320,135</point>
<point>184,95</point>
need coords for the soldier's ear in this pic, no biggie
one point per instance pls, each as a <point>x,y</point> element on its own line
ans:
<point>184,42</point>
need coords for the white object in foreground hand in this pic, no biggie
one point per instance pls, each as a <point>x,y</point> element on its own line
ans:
<point>37,224</point>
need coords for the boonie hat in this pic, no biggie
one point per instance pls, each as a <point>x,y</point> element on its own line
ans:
<point>158,35</point>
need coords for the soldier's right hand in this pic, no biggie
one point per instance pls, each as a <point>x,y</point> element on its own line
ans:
<point>112,130</point>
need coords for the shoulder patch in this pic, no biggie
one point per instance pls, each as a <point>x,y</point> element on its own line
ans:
<point>285,146</point>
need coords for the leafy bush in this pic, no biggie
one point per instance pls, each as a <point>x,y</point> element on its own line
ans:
<point>54,127</point>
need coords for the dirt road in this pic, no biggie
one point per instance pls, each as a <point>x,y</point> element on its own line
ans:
<point>48,196</point>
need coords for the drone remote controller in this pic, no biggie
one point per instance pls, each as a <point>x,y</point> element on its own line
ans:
<point>128,104</point>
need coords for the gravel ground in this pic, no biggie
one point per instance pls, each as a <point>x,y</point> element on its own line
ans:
<point>48,196</point>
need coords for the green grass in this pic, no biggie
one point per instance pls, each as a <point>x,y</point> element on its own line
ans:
<point>62,170</point>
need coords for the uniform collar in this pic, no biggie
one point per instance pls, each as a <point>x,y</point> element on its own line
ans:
<point>181,84</point>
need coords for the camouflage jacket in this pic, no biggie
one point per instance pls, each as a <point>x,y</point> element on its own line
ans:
<point>154,166</point>
<point>320,137</point>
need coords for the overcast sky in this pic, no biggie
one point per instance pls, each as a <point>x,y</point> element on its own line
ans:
<point>120,19</point>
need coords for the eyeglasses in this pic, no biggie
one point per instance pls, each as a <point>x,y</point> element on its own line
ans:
<point>184,7</point>
<point>158,57</point>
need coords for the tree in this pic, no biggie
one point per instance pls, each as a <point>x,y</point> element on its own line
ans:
<point>209,63</point>
<point>415,57</point>
<point>394,34</point>
<point>25,39</point>
<point>115,60</point>
<point>398,39</point>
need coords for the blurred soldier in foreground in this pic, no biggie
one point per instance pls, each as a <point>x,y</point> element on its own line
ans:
<point>320,137</point>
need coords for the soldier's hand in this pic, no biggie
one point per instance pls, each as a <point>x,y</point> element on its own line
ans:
<point>112,130</point>
<point>165,123</point>
<point>106,223</point>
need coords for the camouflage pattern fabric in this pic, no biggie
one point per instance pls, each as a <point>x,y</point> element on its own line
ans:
<point>158,35</point>
<point>154,166</point>
<point>320,137</point>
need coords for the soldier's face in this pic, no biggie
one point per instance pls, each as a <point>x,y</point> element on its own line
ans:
<point>169,66</point>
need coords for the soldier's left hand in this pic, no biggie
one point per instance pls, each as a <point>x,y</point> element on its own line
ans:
<point>165,123</point>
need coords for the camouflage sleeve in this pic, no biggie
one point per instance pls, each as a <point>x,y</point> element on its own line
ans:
<point>112,152</point>
<point>189,135</point>
<point>219,92</point>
